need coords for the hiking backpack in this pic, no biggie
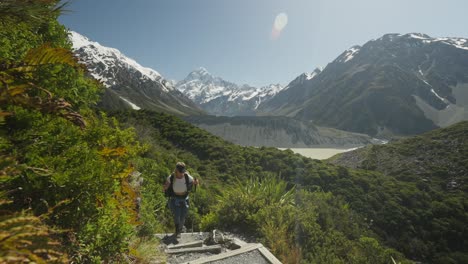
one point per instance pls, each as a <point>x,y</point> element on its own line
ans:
<point>170,191</point>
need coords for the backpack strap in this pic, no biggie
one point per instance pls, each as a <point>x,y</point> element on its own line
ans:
<point>170,191</point>
<point>188,183</point>
<point>171,179</point>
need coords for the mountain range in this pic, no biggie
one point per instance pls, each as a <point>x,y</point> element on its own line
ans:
<point>129,85</point>
<point>219,97</point>
<point>132,86</point>
<point>394,85</point>
<point>397,84</point>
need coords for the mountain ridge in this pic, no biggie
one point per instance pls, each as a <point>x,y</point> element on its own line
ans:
<point>414,75</point>
<point>139,87</point>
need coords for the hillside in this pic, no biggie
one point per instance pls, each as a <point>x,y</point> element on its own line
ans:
<point>400,212</point>
<point>439,158</point>
<point>436,165</point>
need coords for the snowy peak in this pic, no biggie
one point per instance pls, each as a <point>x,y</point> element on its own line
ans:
<point>305,77</point>
<point>202,87</point>
<point>271,89</point>
<point>221,97</point>
<point>317,71</point>
<point>107,58</point>
<point>200,74</point>
<point>79,41</point>
<point>398,41</point>
<point>460,43</point>
<point>349,54</point>
<point>417,36</point>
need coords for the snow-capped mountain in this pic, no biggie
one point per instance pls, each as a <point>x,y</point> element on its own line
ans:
<point>220,97</point>
<point>129,84</point>
<point>304,78</point>
<point>397,84</point>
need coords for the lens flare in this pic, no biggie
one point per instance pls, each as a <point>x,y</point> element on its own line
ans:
<point>280,23</point>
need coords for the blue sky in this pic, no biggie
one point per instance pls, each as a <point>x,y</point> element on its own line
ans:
<point>233,39</point>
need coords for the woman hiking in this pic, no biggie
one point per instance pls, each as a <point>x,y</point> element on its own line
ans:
<point>177,188</point>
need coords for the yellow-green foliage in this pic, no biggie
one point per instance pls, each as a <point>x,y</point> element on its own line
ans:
<point>146,250</point>
<point>61,160</point>
<point>25,238</point>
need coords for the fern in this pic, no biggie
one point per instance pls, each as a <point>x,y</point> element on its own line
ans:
<point>33,11</point>
<point>17,87</point>
<point>45,55</point>
<point>24,238</point>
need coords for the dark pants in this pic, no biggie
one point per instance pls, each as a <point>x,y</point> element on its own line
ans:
<point>179,208</point>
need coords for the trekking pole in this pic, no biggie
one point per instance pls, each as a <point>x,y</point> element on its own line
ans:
<point>165,223</point>
<point>193,217</point>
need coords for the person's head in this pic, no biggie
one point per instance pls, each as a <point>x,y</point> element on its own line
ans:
<point>180,168</point>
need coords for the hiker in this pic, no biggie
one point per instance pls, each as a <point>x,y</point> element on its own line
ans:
<point>177,187</point>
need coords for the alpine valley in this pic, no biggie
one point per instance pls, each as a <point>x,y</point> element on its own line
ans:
<point>83,183</point>
<point>423,80</point>
<point>130,85</point>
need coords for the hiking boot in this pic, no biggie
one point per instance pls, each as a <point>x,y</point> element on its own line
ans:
<point>177,235</point>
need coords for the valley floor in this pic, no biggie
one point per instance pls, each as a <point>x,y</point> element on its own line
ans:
<point>318,153</point>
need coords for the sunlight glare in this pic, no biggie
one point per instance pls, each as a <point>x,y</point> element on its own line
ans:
<point>280,23</point>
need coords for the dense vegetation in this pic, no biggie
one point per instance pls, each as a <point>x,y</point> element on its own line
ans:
<point>275,195</point>
<point>434,169</point>
<point>401,212</point>
<point>70,175</point>
<point>65,170</point>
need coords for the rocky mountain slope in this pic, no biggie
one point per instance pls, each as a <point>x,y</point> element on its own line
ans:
<point>397,84</point>
<point>129,84</point>
<point>219,97</point>
<point>278,132</point>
